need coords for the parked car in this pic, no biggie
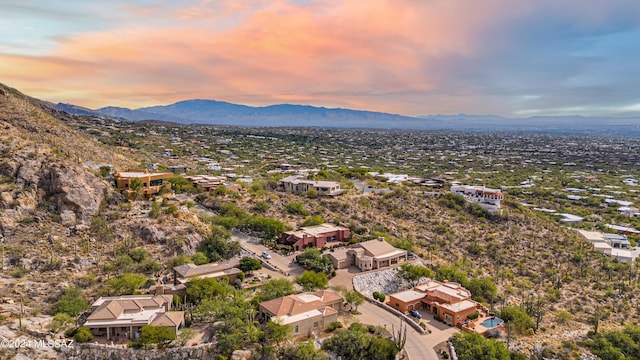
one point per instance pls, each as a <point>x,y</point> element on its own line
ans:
<point>266,255</point>
<point>415,314</point>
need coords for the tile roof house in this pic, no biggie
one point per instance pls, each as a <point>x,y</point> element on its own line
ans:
<point>449,300</point>
<point>316,236</point>
<point>218,270</point>
<point>368,255</point>
<point>123,316</point>
<point>304,312</point>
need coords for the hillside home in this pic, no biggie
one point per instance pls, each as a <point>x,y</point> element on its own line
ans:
<point>186,272</point>
<point>152,182</point>
<point>305,313</point>
<point>294,184</point>
<point>207,182</point>
<point>488,199</point>
<point>368,255</point>
<point>613,245</point>
<point>123,316</point>
<point>315,236</point>
<point>449,300</point>
<point>178,169</point>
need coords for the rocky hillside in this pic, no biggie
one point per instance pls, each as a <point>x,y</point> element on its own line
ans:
<point>45,165</point>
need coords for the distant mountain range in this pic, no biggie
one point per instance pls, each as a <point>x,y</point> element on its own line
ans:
<point>224,113</point>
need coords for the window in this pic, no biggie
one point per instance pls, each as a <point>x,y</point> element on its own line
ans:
<point>315,324</point>
<point>295,330</point>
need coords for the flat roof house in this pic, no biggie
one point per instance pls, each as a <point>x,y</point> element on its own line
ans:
<point>304,312</point>
<point>123,316</point>
<point>488,199</point>
<point>152,182</point>
<point>315,236</point>
<point>218,270</point>
<point>294,184</point>
<point>614,245</point>
<point>368,255</point>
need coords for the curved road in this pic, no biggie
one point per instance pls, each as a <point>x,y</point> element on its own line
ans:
<point>418,346</point>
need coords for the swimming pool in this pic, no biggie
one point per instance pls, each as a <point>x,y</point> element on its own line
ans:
<point>491,322</point>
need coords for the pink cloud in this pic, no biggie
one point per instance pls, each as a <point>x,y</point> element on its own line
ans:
<point>362,54</point>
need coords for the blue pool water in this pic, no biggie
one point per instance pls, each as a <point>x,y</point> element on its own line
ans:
<point>492,322</point>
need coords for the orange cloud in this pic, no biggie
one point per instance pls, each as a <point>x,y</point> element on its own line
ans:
<point>374,54</point>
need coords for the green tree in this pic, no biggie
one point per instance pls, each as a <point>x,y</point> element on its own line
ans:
<point>307,351</point>
<point>313,259</point>
<point>483,289</point>
<point>296,208</point>
<point>71,302</point>
<point>249,264</point>
<point>156,335</point>
<point>217,245</point>
<point>313,220</point>
<point>180,184</point>
<point>353,298</point>
<point>271,228</point>
<point>413,273</point>
<point>138,255</point>
<point>199,258</point>
<point>155,210</point>
<point>473,346</point>
<point>136,186</point>
<point>127,283</point>
<point>450,273</point>
<point>277,332</point>
<point>179,260</point>
<point>517,316</point>
<point>274,289</point>
<point>199,289</point>
<point>82,334</point>
<point>59,321</point>
<point>311,280</point>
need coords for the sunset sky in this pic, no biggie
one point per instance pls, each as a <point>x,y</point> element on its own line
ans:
<point>411,57</point>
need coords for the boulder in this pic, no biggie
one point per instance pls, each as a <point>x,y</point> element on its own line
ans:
<point>191,243</point>
<point>9,219</point>
<point>68,218</point>
<point>6,199</point>
<point>75,190</point>
<point>151,234</point>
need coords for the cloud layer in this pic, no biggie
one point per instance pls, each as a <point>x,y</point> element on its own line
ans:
<point>402,56</point>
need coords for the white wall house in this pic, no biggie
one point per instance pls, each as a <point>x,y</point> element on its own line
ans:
<point>488,199</point>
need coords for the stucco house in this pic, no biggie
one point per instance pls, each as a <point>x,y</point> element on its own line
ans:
<point>294,184</point>
<point>123,316</point>
<point>152,182</point>
<point>488,199</point>
<point>449,300</point>
<point>368,255</point>
<point>218,270</point>
<point>315,236</point>
<point>305,313</point>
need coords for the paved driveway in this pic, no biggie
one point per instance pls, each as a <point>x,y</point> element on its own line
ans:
<point>253,245</point>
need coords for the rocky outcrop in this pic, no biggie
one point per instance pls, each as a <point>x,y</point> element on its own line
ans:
<point>93,351</point>
<point>191,243</point>
<point>75,189</point>
<point>151,234</point>
<point>71,190</point>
